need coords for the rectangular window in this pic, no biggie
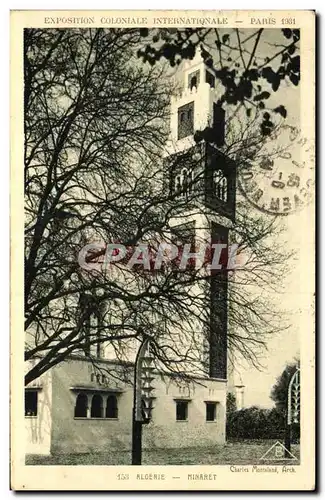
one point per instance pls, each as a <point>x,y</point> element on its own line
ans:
<point>181,410</point>
<point>185,120</point>
<point>211,412</point>
<point>31,403</point>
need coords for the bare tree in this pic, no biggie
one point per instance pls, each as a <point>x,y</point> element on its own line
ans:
<point>237,58</point>
<point>96,122</point>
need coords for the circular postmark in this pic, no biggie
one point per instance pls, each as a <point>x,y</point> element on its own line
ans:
<point>281,181</point>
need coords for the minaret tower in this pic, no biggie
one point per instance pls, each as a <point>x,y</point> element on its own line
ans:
<point>198,170</point>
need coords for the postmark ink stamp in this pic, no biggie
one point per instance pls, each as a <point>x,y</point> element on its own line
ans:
<point>283,182</point>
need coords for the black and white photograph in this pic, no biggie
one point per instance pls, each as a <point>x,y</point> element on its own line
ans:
<point>168,201</point>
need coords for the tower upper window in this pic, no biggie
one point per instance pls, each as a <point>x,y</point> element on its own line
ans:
<point>185,120</point>
<point>193,79</point>
<point>210,79</point>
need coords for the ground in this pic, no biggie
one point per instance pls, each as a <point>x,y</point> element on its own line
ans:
<point>242,452</point>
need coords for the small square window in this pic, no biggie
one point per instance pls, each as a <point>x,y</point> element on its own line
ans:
<point>31,403</point>
<point>181,410</point>
<point>211,412</point>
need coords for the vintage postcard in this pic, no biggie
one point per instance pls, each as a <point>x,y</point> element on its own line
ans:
<point>162,250</point>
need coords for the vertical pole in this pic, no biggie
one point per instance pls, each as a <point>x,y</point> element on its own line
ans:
<point>136,425</point>
<point>287,441</point>
<point>136,440</point>
<point>137,420</point>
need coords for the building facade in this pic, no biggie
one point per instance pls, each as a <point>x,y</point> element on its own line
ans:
<point>76,409</point>
<point>73,410</point>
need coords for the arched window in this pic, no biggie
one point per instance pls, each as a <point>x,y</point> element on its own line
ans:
<point>220,185</point>
<point>190,182</point>
<point>224,189</point>
<point>217,176</point>
<point>184,180</point>
<point>80,410</point>
<point>193,82</point>
<point>178,185</point>
<point>111,406</point>
<point>96,406</point>
<point>182,117</point>
<point>194,79</point>
<point>94,334</point>
<point>210,79</point>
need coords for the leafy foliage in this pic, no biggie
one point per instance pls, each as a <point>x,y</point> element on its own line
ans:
<point>246,76</point>
<point>255,423</point>
<point>279,392</point>
<point>259,423</point>
<point>231,404</point>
